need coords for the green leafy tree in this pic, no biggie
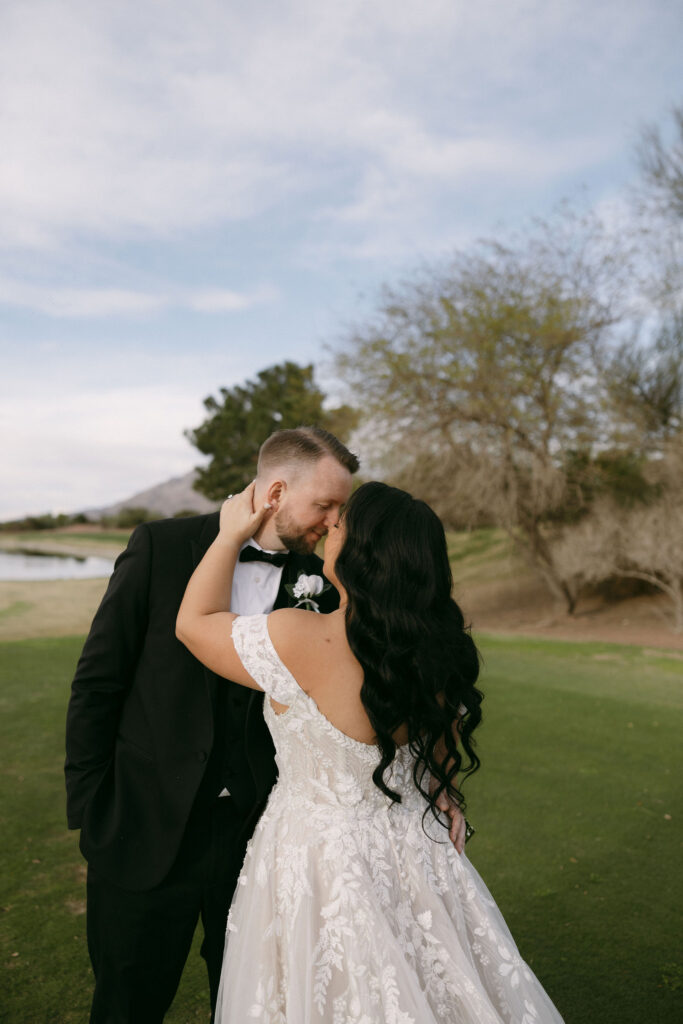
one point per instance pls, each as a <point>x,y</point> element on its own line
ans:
<point>279,398</point>
<point>134,515</point>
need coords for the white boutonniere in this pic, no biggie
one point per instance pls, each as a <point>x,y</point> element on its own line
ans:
<point>305,589</point>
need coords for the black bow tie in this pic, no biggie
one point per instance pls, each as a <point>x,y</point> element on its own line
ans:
<point>252,554</point>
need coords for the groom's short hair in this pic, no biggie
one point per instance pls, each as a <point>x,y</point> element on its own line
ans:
<point>304,444</point>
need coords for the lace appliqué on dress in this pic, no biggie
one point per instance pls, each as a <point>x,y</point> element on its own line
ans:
<point>256,652</point>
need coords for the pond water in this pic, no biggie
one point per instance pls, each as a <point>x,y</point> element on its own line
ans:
<point>27,565</point>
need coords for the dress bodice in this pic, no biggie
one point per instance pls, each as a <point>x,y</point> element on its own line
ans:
<point>317,763</point>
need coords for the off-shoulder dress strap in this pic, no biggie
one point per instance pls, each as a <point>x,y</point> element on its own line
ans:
<point>256,652</point>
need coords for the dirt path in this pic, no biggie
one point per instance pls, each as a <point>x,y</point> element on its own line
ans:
<point>524,607</point>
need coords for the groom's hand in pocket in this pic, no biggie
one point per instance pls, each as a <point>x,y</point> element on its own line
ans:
<point>456,831</point>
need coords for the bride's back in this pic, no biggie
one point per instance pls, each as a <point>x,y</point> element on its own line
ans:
<point>317,653</point>
<point>320,763</point>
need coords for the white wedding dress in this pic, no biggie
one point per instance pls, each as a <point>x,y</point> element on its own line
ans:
<point>345,911</point>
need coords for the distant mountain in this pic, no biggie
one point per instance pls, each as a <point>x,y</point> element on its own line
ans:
<point>166,499</point>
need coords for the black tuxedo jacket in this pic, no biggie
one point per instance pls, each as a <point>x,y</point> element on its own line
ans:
<point>140,723</point>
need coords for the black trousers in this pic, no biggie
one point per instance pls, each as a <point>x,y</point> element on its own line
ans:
<point>139,941</point>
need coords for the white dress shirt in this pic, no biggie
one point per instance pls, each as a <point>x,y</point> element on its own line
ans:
<point>254,584</point>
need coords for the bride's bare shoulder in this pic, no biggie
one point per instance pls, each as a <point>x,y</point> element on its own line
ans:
<point>289,626</point>
<point>308,643</point>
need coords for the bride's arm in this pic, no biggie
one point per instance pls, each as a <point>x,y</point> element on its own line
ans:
<point>204,622</point>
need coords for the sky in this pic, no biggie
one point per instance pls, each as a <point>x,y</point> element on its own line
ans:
<point>192,192</point>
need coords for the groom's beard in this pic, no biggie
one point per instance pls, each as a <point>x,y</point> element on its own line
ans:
<point>300,542</point>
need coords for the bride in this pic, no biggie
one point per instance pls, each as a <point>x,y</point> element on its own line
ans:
<point>351,908</point>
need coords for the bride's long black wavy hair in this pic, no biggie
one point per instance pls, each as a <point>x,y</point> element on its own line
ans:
<point>409,635</point>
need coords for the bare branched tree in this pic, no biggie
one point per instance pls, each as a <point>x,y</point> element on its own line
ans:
<point>661,165</point>
<point>658,209</point>
<point>645,386</point>
<point>642,541</point>
<point>488,372</point>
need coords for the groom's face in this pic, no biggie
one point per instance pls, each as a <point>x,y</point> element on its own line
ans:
<point>311,503</point>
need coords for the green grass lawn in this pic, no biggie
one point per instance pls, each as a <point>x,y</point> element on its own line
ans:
<point>577,809</point>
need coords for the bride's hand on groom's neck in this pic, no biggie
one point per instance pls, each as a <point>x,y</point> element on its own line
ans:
<point>240,517</point>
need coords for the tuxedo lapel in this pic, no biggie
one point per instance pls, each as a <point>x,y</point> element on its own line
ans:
<point>205,539</point>
<point>290,574</point>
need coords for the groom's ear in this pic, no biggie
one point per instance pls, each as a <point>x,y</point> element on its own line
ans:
<point>276,492</point>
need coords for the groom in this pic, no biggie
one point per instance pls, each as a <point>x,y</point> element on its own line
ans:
<point>168,766</point>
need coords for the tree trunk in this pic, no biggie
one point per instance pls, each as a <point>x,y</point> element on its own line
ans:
<point>539,556</point>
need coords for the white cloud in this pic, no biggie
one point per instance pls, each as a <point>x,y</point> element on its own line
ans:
<point>217,300</point>
<point>77,433</point>
<point>75,450</point>
<point>104,302</point>
<point>130,119</point>
<point>77,302</point>
<point>99,132</point>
